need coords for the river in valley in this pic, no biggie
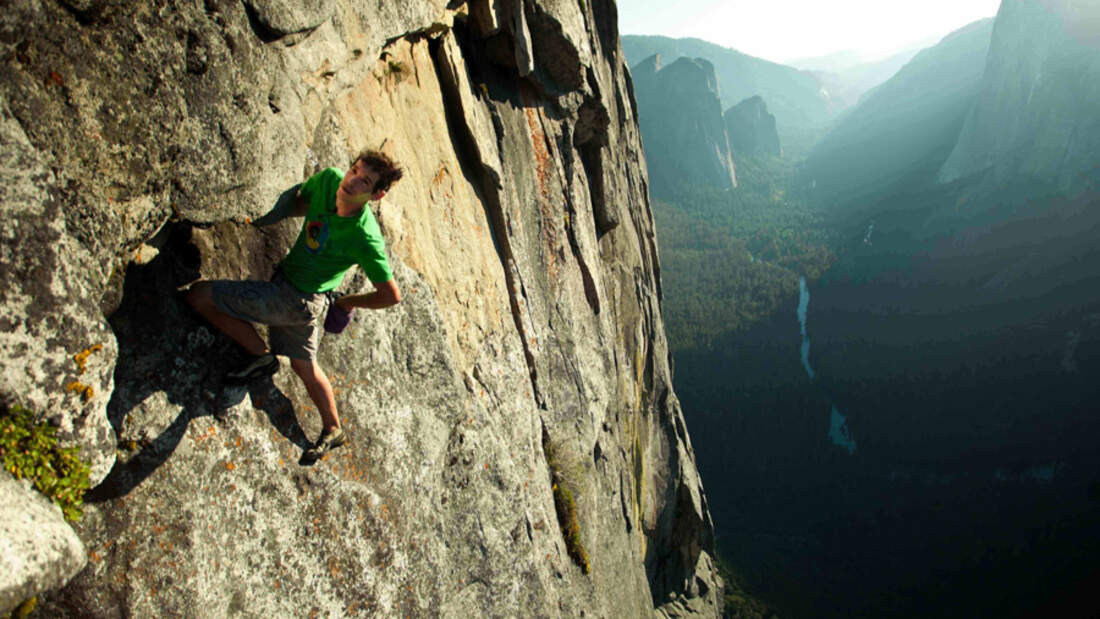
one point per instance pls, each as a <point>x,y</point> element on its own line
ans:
<point>839,433</point>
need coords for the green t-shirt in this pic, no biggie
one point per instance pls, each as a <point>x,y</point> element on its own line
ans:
<point>329,245</point>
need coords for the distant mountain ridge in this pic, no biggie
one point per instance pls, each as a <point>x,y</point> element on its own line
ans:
<point>849,84</point>
<point>834,62</point>
<point>804,102</point>
<point>795,97</point>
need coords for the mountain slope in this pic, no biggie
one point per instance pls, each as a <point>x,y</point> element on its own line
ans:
<point>1035,116</point>
<point>907,124</point>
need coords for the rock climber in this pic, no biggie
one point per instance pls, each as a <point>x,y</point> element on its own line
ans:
<point>339,231</point>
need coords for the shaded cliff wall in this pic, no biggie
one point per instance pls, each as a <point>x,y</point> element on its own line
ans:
<point>752,129</point>
<point>681,116</point>
<point>141,138</point>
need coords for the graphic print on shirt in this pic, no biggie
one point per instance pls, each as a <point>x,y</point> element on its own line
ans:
<point>316,235</point>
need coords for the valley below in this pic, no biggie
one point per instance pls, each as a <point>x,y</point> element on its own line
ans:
<point>973,489</point>
<point>886,342</point>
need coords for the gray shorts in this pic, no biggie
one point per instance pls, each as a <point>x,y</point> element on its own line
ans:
<point>291,315</point>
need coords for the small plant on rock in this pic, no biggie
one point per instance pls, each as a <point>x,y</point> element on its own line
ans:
<point>24,610</point>
<point>394,67</point>
<point>30,450</point>
<point>570,529</point>
<point>564,479</point>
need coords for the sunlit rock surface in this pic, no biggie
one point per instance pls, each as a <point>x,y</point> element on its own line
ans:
<point>141,137</point>
<point>38,550</point>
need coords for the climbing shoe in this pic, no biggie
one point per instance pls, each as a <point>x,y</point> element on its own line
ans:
<point>330,439</point>
<point>255,367</point>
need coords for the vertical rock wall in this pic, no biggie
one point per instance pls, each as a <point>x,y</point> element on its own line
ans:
<point>681,113</point>
<point>140,139</point>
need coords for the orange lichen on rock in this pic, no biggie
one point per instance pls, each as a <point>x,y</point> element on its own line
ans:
<point>81,358</point>
<point>544,170</point>
<point>86,390</point>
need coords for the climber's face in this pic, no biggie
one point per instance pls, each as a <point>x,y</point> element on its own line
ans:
<point>358,184</point>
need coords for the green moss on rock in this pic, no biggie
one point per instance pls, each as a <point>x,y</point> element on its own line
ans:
<point>570,529</point>
<point>564,476</point>
<point>30,450</point>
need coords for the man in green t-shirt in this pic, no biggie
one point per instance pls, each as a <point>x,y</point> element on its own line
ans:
<point>339,232</point>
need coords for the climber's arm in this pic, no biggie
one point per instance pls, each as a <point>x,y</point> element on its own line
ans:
<point>291,203</point>
<point>385,294</point>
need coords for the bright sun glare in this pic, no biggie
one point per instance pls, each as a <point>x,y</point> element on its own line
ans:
<point>782,30</point>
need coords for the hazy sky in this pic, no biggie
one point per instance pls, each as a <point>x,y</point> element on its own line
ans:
<point>781,30</point>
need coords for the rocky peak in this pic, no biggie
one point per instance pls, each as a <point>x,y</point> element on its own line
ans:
<point>680,113</point>
<point>689,76</point>
<point>646,69</point>
<point>752,129</point>
<point>528,354</point>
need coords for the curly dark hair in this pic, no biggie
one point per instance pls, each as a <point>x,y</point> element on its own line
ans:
<point>389,172</point>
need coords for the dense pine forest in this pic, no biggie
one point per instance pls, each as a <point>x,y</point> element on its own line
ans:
<point>733,258</point>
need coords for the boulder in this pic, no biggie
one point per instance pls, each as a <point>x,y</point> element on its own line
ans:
<point>40,550</point>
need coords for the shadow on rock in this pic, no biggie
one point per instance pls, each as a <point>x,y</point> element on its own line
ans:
<point>279,410</point>
<point>169,369</point>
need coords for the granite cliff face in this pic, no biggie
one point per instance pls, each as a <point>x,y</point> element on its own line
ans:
<point>139,138</point>
<point>751,128</point>
<point>1035,113</point>
<point>681,119</point>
